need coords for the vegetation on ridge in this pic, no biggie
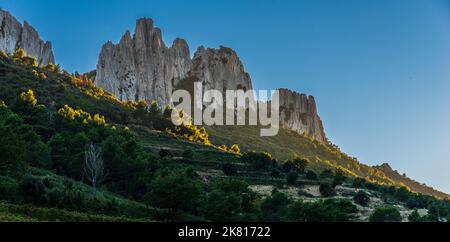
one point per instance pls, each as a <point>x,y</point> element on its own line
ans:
<point>153,171</point>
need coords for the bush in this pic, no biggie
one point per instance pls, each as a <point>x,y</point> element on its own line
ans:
<point>165,153</point>
<point>339,178</point>
<point>175,191</point>
<point>300,164</point>
<point>330,210</point>
<point>327,173</point>
<point>259,161</point>
<point>228,201</point>
<point>235,149</point>
<point>386,214</point>
<point>359,183</point>
<point>8,188</point>
<point>327,190</point>
<point>229,169</point>
<point>414,217</point>
<point>287,166</point>
<point>33,190</point>
<point>292,178</point>
<point>275,173</point>
<point>275,207</point>
<point>311,175</point>
<point>188,154</point>
<point>361,198</point>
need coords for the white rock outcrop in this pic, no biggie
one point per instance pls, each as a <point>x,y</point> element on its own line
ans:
<point>142,67</point>
<point>298,112</point>
<point>14,35</point>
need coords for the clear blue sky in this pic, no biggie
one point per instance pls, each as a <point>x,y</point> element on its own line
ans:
<point>380,70</point>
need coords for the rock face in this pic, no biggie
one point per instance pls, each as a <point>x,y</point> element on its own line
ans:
<point>13,36</point>
<point>220,69</point>
<point>298,112</point>
<point>142,67</point>
<point>412,184</point>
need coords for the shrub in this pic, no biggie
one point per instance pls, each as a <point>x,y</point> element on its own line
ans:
<point>327,190</point>
<point>361,198</point>
<point>292,178</point>
<point>386,214</point>
<point>275,207</point>
<point>339,178</point>
<point>175,191</point>
<point>300,164</point>
<point>259,161</point>
<point>327,173</point>
<point>27,60</point>
<point>164,153</point>
<point>229,169</point>
<point>311,175</point>
<point>275,173</point>
<point>235,149</point>
<point>359,183</point>
<point>414,217</point>
<point>228,200</point>
<point>287,166</point>
<point>330,210</point>
<point>33,190</point>
<point>8,188</point>
<point>188,154</point>
<point>438,209</point>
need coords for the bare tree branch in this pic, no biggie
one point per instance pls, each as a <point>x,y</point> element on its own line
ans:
<point>93,169</point>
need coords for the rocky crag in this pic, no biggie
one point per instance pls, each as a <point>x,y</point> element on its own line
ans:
<point>298,112</point>
<point>142,67</point>
<point>14,35</point>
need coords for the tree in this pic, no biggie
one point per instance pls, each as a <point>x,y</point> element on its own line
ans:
<point>414,217</point>
<point>326,190</point>
<point>311,175</point>
<point>259,161</point>
<point>386,214</point>
<point>235,149</point>
<point>329,210</point>
<point>275,173</point>
<point>438,209</point>
<point>361,198</point>
<point>175,191</point>
<point>229,169</point>
<point>163,153</point>
<point>227,201</point>
<point>339,178</point>
<point>93,170</point>
<point>188,154</point>
<point>19,54</point>
<point>300,164</point>
<point>292,178</point>
<point>275,207</point>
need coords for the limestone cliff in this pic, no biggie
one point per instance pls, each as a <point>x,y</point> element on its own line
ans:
<point>298,112</point>
<point>220,69</point>
<point>142,67</point>
<point>14,35</point>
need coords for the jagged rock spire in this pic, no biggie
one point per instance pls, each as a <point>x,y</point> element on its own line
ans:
<point>14,35</point>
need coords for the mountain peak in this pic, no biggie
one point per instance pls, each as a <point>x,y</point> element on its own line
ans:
<point>14,35</point>
<point>144,68</point>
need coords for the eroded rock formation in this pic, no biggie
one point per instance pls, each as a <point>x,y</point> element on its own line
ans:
<point>298,112</point>
<point>14,35</point>
<point>142,67</point>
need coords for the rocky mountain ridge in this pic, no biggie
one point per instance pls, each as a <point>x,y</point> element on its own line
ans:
<point>14,35</point>
<point>142,67</point>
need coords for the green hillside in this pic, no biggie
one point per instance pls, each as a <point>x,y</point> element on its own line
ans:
<point>58,130</point>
